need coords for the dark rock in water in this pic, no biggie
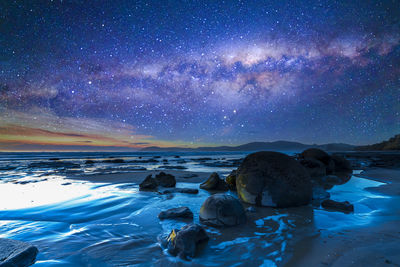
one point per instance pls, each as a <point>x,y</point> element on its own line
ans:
<point>214,183</point>
<point>193,175</point>
<point>341,164</point>
<point>222,210</point>
<point>231,180</point>
<point>186,241</point>
<point>181,190</point>
<point>314,167</point>
<point>54,164</point>
<point>251,209</point>
<point>177,157</point>
<point>320,155</point>
<point>273,179</point>
<point>54,159</point>
<point>165,160</point>
<point>144,161</point>
<point>66,184</point>
<point>16,253</point>
<point>165,180</point>
<point>344,206</point>
<point>157,157</point>
<point>182,212</point>
<point>319,193</point>
<point>114,161</point>
<point>173,167</point>
<point>89,161</point>
<point>149,183</point>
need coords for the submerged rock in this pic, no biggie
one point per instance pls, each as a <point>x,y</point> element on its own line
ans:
<point>214,183</point>
<point>222,210</point>
<point>114,161</point>
<point>185,242</point>
<point>181,212</point>
<point>273,179</point>
<point>165,180</point>
<point>89,161</point>
<point>319,193</point>
<point>181,190</point>
<point>231,180</point>
<point>149,183</point>
<point>16,253</point>
<point>344,206</point>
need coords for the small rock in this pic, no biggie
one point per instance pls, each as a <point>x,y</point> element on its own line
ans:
<point>16,253</point>
<point>344,206</point>
<point>149,183</point>
<point>185,242</point>
<point>181,190</point>
<point>182,212</point>
<point>214,183</point>
<point>222,210</point>
<point>165,180</point>
<point>89,162</point>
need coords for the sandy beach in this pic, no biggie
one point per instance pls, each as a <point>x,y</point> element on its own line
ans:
<point>374,244</point>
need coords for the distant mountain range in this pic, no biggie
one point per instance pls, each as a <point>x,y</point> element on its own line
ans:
<point>255,146</point>
<point>391,144</point>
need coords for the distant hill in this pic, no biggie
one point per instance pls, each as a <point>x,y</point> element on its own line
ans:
<point>392,144</point>
<point>256,146</point>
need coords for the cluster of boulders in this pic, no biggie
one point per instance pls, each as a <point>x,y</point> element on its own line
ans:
<point>270,179</point>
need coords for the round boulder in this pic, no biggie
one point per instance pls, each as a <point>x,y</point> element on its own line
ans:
<point>222,210</point>
<point>318,154</point>
<point>165,180</point>
<point>273,179</point>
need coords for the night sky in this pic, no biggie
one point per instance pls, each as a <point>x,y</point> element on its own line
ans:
<point>128,74</point>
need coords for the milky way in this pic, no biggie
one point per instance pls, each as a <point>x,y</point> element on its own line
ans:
<point>101,74</point>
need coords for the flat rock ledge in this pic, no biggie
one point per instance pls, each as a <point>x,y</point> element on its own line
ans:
<point>14,253</point>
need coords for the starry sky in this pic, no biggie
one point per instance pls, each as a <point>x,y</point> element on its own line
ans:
<point>100,75</point>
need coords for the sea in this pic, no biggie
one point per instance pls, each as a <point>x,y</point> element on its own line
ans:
<point>80,223</point>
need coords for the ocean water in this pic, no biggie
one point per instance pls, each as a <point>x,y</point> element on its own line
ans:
<point>78,223</point>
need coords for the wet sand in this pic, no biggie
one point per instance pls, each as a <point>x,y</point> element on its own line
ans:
<point>375,244</point>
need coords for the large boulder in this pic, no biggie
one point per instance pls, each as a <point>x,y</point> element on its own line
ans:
<point>322,156</point>
<point>315,168</point>
<point>16,253</point>
<point>222,210</point>
<point>231,180</point>
<point>185,242</point>
<point>273,179</point>
<point>214,183</point>
<point>165,180</point>
<point>341,164</point>
<point>181,212</point>
<point>149,183</point>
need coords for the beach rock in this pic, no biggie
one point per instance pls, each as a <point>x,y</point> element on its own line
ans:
<point>341,164</point>
<point>186,241</point>
<point>113,161</point>
<point>318,154</point>
<point>165,180</point>
<point>222,210</point>
<point>214,183</point>
<point>273,179</point>
<point>181,212</point>
<point>231,180</point>
<point>315,168</point>
<point>16,253</point>
<point>181,190</point>
<point>149,183</point>
<point>89,162</point>
<point>344,206</point>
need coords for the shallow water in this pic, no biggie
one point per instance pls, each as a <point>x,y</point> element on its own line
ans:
<point>75,223</point>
